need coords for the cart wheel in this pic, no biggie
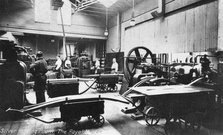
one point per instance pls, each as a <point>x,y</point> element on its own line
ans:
<point>168,120</point>
<point>106,88</point>
<point>194,123</point>
<point>102,88</point>
<point>73,124</point>
<point>152,116</point>
<point>193,126</point>
<point>98,121</point>
<point>112,87</point>
<point>196,126</point>
<point>115,88</point>
<point>109,88</point>
<point>98,87</point>
<point>187,125</point>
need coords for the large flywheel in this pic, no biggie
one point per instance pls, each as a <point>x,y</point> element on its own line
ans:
<point>137,56</point>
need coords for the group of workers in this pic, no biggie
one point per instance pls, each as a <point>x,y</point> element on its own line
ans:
<point>59,63</point>
<point>114,66</point>
<point>39,70</point>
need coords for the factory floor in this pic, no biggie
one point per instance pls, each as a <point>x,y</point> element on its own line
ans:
<point>116,123</point>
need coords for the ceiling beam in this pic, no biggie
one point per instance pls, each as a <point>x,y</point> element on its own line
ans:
<point>98,12</point>
<point>95,7</point>
<point>93,11</point>
<point>86,5</point>
<point>82,4</point>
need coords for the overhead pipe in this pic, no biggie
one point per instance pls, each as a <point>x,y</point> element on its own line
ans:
<point>160,10</point>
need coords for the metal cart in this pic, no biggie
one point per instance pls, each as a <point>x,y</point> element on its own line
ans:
<point>71,113</point>
<point>105,82</point>
<point>187,103</point>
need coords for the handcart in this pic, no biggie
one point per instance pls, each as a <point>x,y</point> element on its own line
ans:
<point>62,87</point>
<point>189,108</point>
<point>72,109</point>
<point>184,103</point>
<point>71,113</point>
<point>106,82</point>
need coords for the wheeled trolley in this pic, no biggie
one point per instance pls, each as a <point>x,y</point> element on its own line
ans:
<point>62,87</point>
<point>187,103</point>
<point>107,83</point>
<point>72,109</point>
<point>71,113</point>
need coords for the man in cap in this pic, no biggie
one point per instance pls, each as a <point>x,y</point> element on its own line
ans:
<point>205,65</point>
<point>39,69</point>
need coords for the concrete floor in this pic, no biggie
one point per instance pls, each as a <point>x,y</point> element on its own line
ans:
<point>116,123</point>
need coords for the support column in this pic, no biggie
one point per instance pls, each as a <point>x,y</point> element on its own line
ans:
<point>220,25</point>
<point>119,35</point>
<point>64,36</point>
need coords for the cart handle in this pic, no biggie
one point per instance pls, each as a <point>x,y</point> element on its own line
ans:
<point>30,115</point>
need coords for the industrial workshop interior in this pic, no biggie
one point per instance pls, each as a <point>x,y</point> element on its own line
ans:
<point>111,67</point>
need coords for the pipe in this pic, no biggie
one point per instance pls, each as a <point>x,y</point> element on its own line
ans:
<point>64,37</point>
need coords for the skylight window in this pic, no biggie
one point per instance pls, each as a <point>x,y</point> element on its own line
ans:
<point>107,3</point>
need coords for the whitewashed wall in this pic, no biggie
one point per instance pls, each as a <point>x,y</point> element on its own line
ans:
<point>193,30</point>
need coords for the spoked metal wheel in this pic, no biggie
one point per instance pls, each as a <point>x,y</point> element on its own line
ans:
<point>112,87</point>
<point>152,116</point>
<point>135,57</point>
<point>196,126</point>
<point>104,87</point>
<point>98,121</point>
<point>115,88</point>
<point>97,86</point>
<point>73,124</point>
<point>194,121</point>
<point>94,87</point>
<point>101,87</point>
<point>187,125</point>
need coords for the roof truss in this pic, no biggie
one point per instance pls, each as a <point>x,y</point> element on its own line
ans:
<point>80,5</point>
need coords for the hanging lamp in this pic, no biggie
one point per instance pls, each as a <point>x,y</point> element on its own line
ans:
<point>106,23</point>
<point>132,21</point>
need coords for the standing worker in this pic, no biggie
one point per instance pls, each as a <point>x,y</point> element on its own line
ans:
<point>67,71</point>
<point>58,66</point>
<point>39,69</point>
<point>205,65</point>
<point>67,64</point>
<point>114,67</point>
<point>97,65</point>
